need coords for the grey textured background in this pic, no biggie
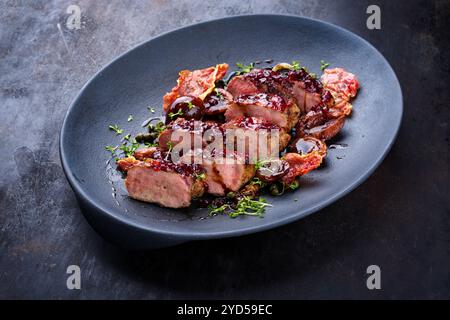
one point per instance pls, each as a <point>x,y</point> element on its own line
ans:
<point>399,219</point>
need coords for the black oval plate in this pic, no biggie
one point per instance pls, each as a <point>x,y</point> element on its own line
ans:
<point>141,77</point>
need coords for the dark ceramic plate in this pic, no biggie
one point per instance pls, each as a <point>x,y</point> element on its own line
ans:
<point>141,77</point>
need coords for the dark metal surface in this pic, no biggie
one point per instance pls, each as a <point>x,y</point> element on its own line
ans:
<point>398,219</point>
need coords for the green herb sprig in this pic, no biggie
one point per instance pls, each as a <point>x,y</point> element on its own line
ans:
<point>190,105</point>
<point>245,68</point>
<point>116,129</point>
<point>111,149</point>
<point>200,176</point>
<point>178,113</point>
<point>295,65</point>
<point>218,94</point>
<point>323,65</point>
<point>294,185</point>
<point>258,182</point>
<point>245,206</point>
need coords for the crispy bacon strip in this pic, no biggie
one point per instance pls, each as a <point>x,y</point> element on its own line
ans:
<point>144,153</point>
<point>126,163</point>
<point>197,83</point>
<point>343,85</point>
<point>301,164</point>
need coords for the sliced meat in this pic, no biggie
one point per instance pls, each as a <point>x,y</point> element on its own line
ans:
<point>252,131</point>
<point>327,130</point>
<point>320,123</point>
<point>161,182</point>
<point>270,107</point>
<point>306,89</point>
<point>194,131</point>
<point>223,173</point>
<point>234,176</point>
<point>197,83</point>
<point>260,81</point>
<point>242,85</point>
<point>305,100</point>
<point>168,189</point>
<point>297,86</point>
<point>325,120</point>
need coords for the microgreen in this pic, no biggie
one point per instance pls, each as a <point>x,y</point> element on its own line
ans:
<point>116,129</point>
<point>178,113</point>
<point>243,68</point>
<point>295,65</point>
<point>323,65</point>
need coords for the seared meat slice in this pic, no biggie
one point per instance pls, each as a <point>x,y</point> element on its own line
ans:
<point>298,86</point>
<point>242,85</point>
<point>234,176</point>
<point>249,131</point>
<point>199,133</point>
<point>307,90</point>
<point>327,130</point>
<point>325,120</point>
<point>226,177</point>
<point>320,123</point>
<point>223,172</point>
<point>270,107</point>
<point>161,182</point>
<point>220,176</point>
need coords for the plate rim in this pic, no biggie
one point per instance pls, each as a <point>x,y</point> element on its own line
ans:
<point>196,235</point>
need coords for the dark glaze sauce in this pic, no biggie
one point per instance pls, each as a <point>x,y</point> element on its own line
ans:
<point>311,84</point>
<point>217,102</point>
<point>327,97</point>
<point>193,125</point>
<point>271,101</point>
<point>303,146</point>
<point>272,80</point>
<point>161,161</point>
<point>254,124</point>
<point>338,146</point>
